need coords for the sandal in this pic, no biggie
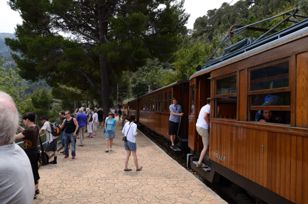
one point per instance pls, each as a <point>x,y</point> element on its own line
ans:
<point>127,169</point>
<point>139,169</point>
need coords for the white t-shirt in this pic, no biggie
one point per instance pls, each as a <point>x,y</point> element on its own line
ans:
<point>130,131</point>
<point>16,179</point>
<point>201,121</point>
<point>47,129</point>
<point>95,117</point>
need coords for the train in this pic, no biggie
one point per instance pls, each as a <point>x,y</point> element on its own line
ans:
<point>269,159</point>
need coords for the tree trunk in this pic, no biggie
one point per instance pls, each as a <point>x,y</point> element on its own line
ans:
<point>105,84</point>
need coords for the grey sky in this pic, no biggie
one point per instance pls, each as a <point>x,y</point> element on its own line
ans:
<point>196,8</point>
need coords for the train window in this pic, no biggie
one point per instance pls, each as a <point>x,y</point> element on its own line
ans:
<point>270,99</point>
<point>226,85</point>
<point>275,76</point>
<point>225,100</point>
<point>269,95</point>
<point>225,107</point>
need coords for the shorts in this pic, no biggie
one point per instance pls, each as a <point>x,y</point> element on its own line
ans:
<point>204,133</point>
<point>173,128</point>
<point>130,146</point>
<point>109,134</point>
<point>52,147</point>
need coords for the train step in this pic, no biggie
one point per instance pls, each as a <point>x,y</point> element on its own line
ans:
<point>205,171</point>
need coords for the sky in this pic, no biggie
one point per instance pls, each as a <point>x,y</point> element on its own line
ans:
<point>196,8</point>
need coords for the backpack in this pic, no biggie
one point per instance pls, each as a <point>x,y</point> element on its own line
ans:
<point>55,129</point>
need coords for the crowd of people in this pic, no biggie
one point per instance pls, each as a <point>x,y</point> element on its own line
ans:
<point>19,174</point>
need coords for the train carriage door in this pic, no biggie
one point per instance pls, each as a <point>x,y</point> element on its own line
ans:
<point>203,93</point>
<point>192,115</point>
<point>180,92</point>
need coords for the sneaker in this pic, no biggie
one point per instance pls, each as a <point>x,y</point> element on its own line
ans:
<point>207,168</point>
<point>200,165</point>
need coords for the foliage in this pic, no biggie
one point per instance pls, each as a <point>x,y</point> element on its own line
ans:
<point>42,102</point>
<point>28,97</point>
<point>189,57</point>
<point>216,24</point>
<point>104,38</point>
<point>15,86</point>
<point>151,76</point>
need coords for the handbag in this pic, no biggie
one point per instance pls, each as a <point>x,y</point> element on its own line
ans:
<point>125,136</point>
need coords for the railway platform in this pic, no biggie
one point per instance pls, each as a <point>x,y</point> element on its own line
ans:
<point>98,177</point>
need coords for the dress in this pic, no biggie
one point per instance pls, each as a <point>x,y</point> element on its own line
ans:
<point>109,129</point>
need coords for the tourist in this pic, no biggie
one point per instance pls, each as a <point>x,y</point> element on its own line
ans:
<point>70,127</point>
<point>109,130</point>
<point>16,177</point>
<point>174,120</point>
<point>82,120</point>
<point>30,138</point>
<point>130,131</point>
<point>51,139</point>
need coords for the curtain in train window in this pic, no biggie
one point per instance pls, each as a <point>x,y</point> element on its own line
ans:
<point>269,94</point>
<point>225,100</point>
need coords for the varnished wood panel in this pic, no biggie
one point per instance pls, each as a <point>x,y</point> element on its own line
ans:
<point>282,155</point>
<point>277,161</point>
<point>302,90</point>
<point>301,170</point>
<point>242,94</point>
<point>242,150</point>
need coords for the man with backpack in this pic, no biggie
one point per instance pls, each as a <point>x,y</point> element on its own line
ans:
<point>51,138</point>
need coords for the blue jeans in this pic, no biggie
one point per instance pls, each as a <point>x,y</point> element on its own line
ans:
<point>62,136</point>
<point>70,138</point>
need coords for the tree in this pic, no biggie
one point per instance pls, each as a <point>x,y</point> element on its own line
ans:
<point>15,86</point>
<point>42,102</point>
<point>103,38</point>
<point>151,76</point>
<point>190,56</point>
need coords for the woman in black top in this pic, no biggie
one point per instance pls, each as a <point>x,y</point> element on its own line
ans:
<point>30,137</point>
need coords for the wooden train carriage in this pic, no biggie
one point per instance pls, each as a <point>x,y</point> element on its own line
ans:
<point>268,159</point>
<point>154,109</point>
<point>133,108</point>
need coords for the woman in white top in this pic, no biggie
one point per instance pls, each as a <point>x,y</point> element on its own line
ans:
<point>130,131</point>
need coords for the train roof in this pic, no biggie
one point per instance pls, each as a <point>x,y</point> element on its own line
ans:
<point>156,90</point>
<point>288,35</point>
<point>164,87</point>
